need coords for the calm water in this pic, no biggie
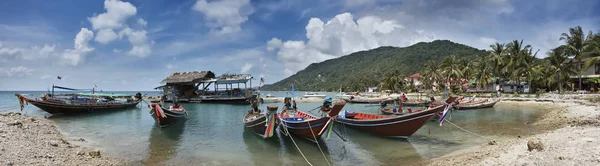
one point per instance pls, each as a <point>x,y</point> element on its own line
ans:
<point>214,134</point>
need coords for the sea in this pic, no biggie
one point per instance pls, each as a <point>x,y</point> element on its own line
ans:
<point>214,134</point>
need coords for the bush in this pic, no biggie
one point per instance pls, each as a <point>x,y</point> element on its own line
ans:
<point>527,96</point>
<point>515,94</point>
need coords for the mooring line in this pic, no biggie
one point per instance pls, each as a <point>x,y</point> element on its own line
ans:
<point>466,130</point>
<point>317,141</point>
<point>290,135</point>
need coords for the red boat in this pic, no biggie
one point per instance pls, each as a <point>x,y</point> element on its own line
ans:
<point>262,124</point>
<point>305,125</point>
<point>389,125</point>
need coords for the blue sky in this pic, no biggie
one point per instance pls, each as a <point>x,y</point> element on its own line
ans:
<point>133,45</point>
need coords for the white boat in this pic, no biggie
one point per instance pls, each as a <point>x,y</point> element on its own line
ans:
<point>268,99</point>
<point>314,95</point>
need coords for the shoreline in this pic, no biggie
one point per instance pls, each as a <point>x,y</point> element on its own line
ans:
<point>29,140</point>
<point>570,137</point>
<point>569,130</point>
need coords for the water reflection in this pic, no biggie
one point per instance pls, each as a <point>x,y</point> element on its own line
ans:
<point>163,143</point>
<point>263,152</point>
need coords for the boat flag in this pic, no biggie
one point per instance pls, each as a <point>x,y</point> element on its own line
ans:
<point>58,77</point>
<point>262,80</point>
<point>444,113</point>
<point>292,88</point>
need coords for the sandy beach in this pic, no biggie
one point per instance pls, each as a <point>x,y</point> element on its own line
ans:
<point>26,140</point>
<point>571,139</point>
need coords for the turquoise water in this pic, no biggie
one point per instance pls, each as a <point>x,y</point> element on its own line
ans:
<point>214,134</point>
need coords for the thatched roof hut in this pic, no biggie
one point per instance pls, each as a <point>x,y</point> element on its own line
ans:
<point>189,78</point>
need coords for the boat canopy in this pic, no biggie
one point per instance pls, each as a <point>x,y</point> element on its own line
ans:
<point>104,95</point>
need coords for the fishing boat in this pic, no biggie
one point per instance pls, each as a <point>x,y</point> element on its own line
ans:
<point>416,103</point>
<point>305,125</point>
<point>402,125</point>
<point>368,100</point>
<point>314,95</point>
<point>81,102</point>
<point>268,99</point>
<point>165,116</point>
<point>486,104</point>
<point>262,124</point>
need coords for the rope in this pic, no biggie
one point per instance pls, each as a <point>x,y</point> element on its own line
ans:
<point>467,130</point>
<point>316,141</point>
<point>289,135</point>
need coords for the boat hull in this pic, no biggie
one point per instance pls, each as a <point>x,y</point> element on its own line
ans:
<point>171,117</point>
<point>368,101</point>
<point>307,129</point>
<point>476,106</point>
<point>258,125</point>
<point>226,100</point>
<point>59,108</point>
<point>415,103</point>
<point>401,126</point>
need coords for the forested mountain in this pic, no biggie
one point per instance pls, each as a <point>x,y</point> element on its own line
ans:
<point>367,68</point>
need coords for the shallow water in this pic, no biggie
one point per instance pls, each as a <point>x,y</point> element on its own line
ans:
<point>214,134</point>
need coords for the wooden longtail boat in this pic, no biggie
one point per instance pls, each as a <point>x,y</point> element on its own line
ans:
<point>487,104</point>
<point>466,101</point>
<point>167,116</point>
<point>365,100</point>
<point>305,125</point>
<point>262,124</point>
<point>386,125</point>
<point>79,103</point>
<point>416,103</point>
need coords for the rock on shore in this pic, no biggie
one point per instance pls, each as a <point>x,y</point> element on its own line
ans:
<point>26,140</point>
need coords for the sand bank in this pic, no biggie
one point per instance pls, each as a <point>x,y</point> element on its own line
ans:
<point>571,139</point>
<point>26,140</point>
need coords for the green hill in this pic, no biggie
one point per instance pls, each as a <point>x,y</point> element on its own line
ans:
<point>352,72</point>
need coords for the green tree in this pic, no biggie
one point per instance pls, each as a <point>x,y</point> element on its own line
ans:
<point>575,42</point>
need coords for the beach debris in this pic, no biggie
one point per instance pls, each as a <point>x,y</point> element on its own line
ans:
<point>492,143</point>
<point>80,153</point>
<point>95,153</point>
<point>64,141</point>
<point>32,119</point>
<point>53,143</point>
<point>561,158</point>
<point>80,139</point>
<point>531,145</point>
<point>15,123</point>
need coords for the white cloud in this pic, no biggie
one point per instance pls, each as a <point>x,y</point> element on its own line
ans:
<point>224,16</point>
<point>46,77</point>
<point>117,50</point>
<point>15,72</point>
<point>142,22</point>
<point>116,13</point>
<point>341,36</point>
<point>273,44</point>
<point>105,36</point>
<point>139,41</point>
<point>246,68</point>
<point>81,47</point>
<point>170,66</point>
<point>35,52</point>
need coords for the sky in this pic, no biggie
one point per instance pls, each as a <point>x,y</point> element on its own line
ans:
<point>132,45</point>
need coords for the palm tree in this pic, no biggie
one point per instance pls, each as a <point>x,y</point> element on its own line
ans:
<point>499,60</point>
<point>560,65</point>
<point>592,51</point>
<point>483,71</point>
<point>431,74</point>
<point>518,59</point>
<point>451,68</point>
<point>575,42</point>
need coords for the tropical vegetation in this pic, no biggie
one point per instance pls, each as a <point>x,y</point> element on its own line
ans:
<point>445,64</point>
